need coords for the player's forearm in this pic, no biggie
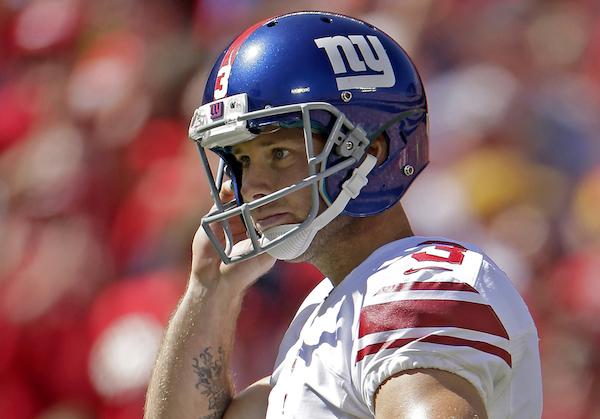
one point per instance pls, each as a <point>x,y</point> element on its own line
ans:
<point>191,378</point>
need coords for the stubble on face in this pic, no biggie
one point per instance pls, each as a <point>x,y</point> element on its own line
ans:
<point>329,242</point>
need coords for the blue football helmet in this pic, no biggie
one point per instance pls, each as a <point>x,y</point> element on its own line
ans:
<point>331,75</point>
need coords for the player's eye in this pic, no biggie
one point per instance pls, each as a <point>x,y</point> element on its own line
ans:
<point>280,153</point>
<point>244,160</point>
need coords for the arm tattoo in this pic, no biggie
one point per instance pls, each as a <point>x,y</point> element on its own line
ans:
<point>210,371</point>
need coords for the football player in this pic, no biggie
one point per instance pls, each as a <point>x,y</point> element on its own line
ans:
<point>312,127</point>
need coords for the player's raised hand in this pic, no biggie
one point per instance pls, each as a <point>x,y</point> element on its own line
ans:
<point>207,266</point>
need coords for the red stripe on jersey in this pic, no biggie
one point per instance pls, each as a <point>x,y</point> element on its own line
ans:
<point>376,347</point>
<point>440,340</point>
<point>404,314</point>
<point>427,286</point>
<point>476,344</point>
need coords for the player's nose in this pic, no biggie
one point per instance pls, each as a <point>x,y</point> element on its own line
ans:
<point>257,182</point>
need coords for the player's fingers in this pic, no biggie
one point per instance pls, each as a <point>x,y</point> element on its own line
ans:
<point>226,193</point>
<point>226,196</point>
<point>235,225</point>
<point>250,270</point>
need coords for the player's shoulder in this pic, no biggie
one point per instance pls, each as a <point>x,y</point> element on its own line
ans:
<point>422,286</point>
<point>427,263</point>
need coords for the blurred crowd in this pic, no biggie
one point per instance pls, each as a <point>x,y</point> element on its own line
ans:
<point>101,191</point>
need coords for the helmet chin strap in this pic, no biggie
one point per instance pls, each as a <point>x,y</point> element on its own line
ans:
<point>297,244</point>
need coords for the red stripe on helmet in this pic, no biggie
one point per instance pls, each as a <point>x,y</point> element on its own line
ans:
<point>233,49</point>
<point>230,56</point>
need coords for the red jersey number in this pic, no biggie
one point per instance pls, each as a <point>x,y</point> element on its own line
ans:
<point>449,254</point>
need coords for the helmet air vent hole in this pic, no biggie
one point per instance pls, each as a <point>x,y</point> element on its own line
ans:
<point>326,19</point>
<point>272,23</point>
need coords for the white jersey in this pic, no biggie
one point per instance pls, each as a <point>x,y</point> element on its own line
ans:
<point>414,303</point>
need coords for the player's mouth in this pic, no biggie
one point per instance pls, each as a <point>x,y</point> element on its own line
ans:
<point>273,220</point>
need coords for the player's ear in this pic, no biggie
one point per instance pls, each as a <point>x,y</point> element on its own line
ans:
<point>379,148</point>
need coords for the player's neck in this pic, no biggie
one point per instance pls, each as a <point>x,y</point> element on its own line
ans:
<point>349,247</point>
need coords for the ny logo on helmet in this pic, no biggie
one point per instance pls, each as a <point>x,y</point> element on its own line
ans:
<point>374,57</point>
<point>216,110</point>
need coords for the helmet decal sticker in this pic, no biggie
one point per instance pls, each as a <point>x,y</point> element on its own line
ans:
<point>375,59</point>
<point>222,81</point>
<point>216,110</point>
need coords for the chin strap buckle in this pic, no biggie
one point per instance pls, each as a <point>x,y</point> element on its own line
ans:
<point>358,180</point>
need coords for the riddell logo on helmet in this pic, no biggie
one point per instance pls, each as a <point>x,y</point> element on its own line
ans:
<point>375,58</point>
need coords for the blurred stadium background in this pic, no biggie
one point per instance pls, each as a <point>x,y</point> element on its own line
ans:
<point>101,192</point>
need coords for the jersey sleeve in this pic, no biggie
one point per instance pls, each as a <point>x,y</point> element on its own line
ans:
<point>425,311</point>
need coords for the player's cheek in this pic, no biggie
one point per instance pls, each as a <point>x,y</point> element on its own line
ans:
<point>304,202</point>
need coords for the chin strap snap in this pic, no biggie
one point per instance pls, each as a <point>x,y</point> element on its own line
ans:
<point>358,180</point>
<point>350,190</point>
